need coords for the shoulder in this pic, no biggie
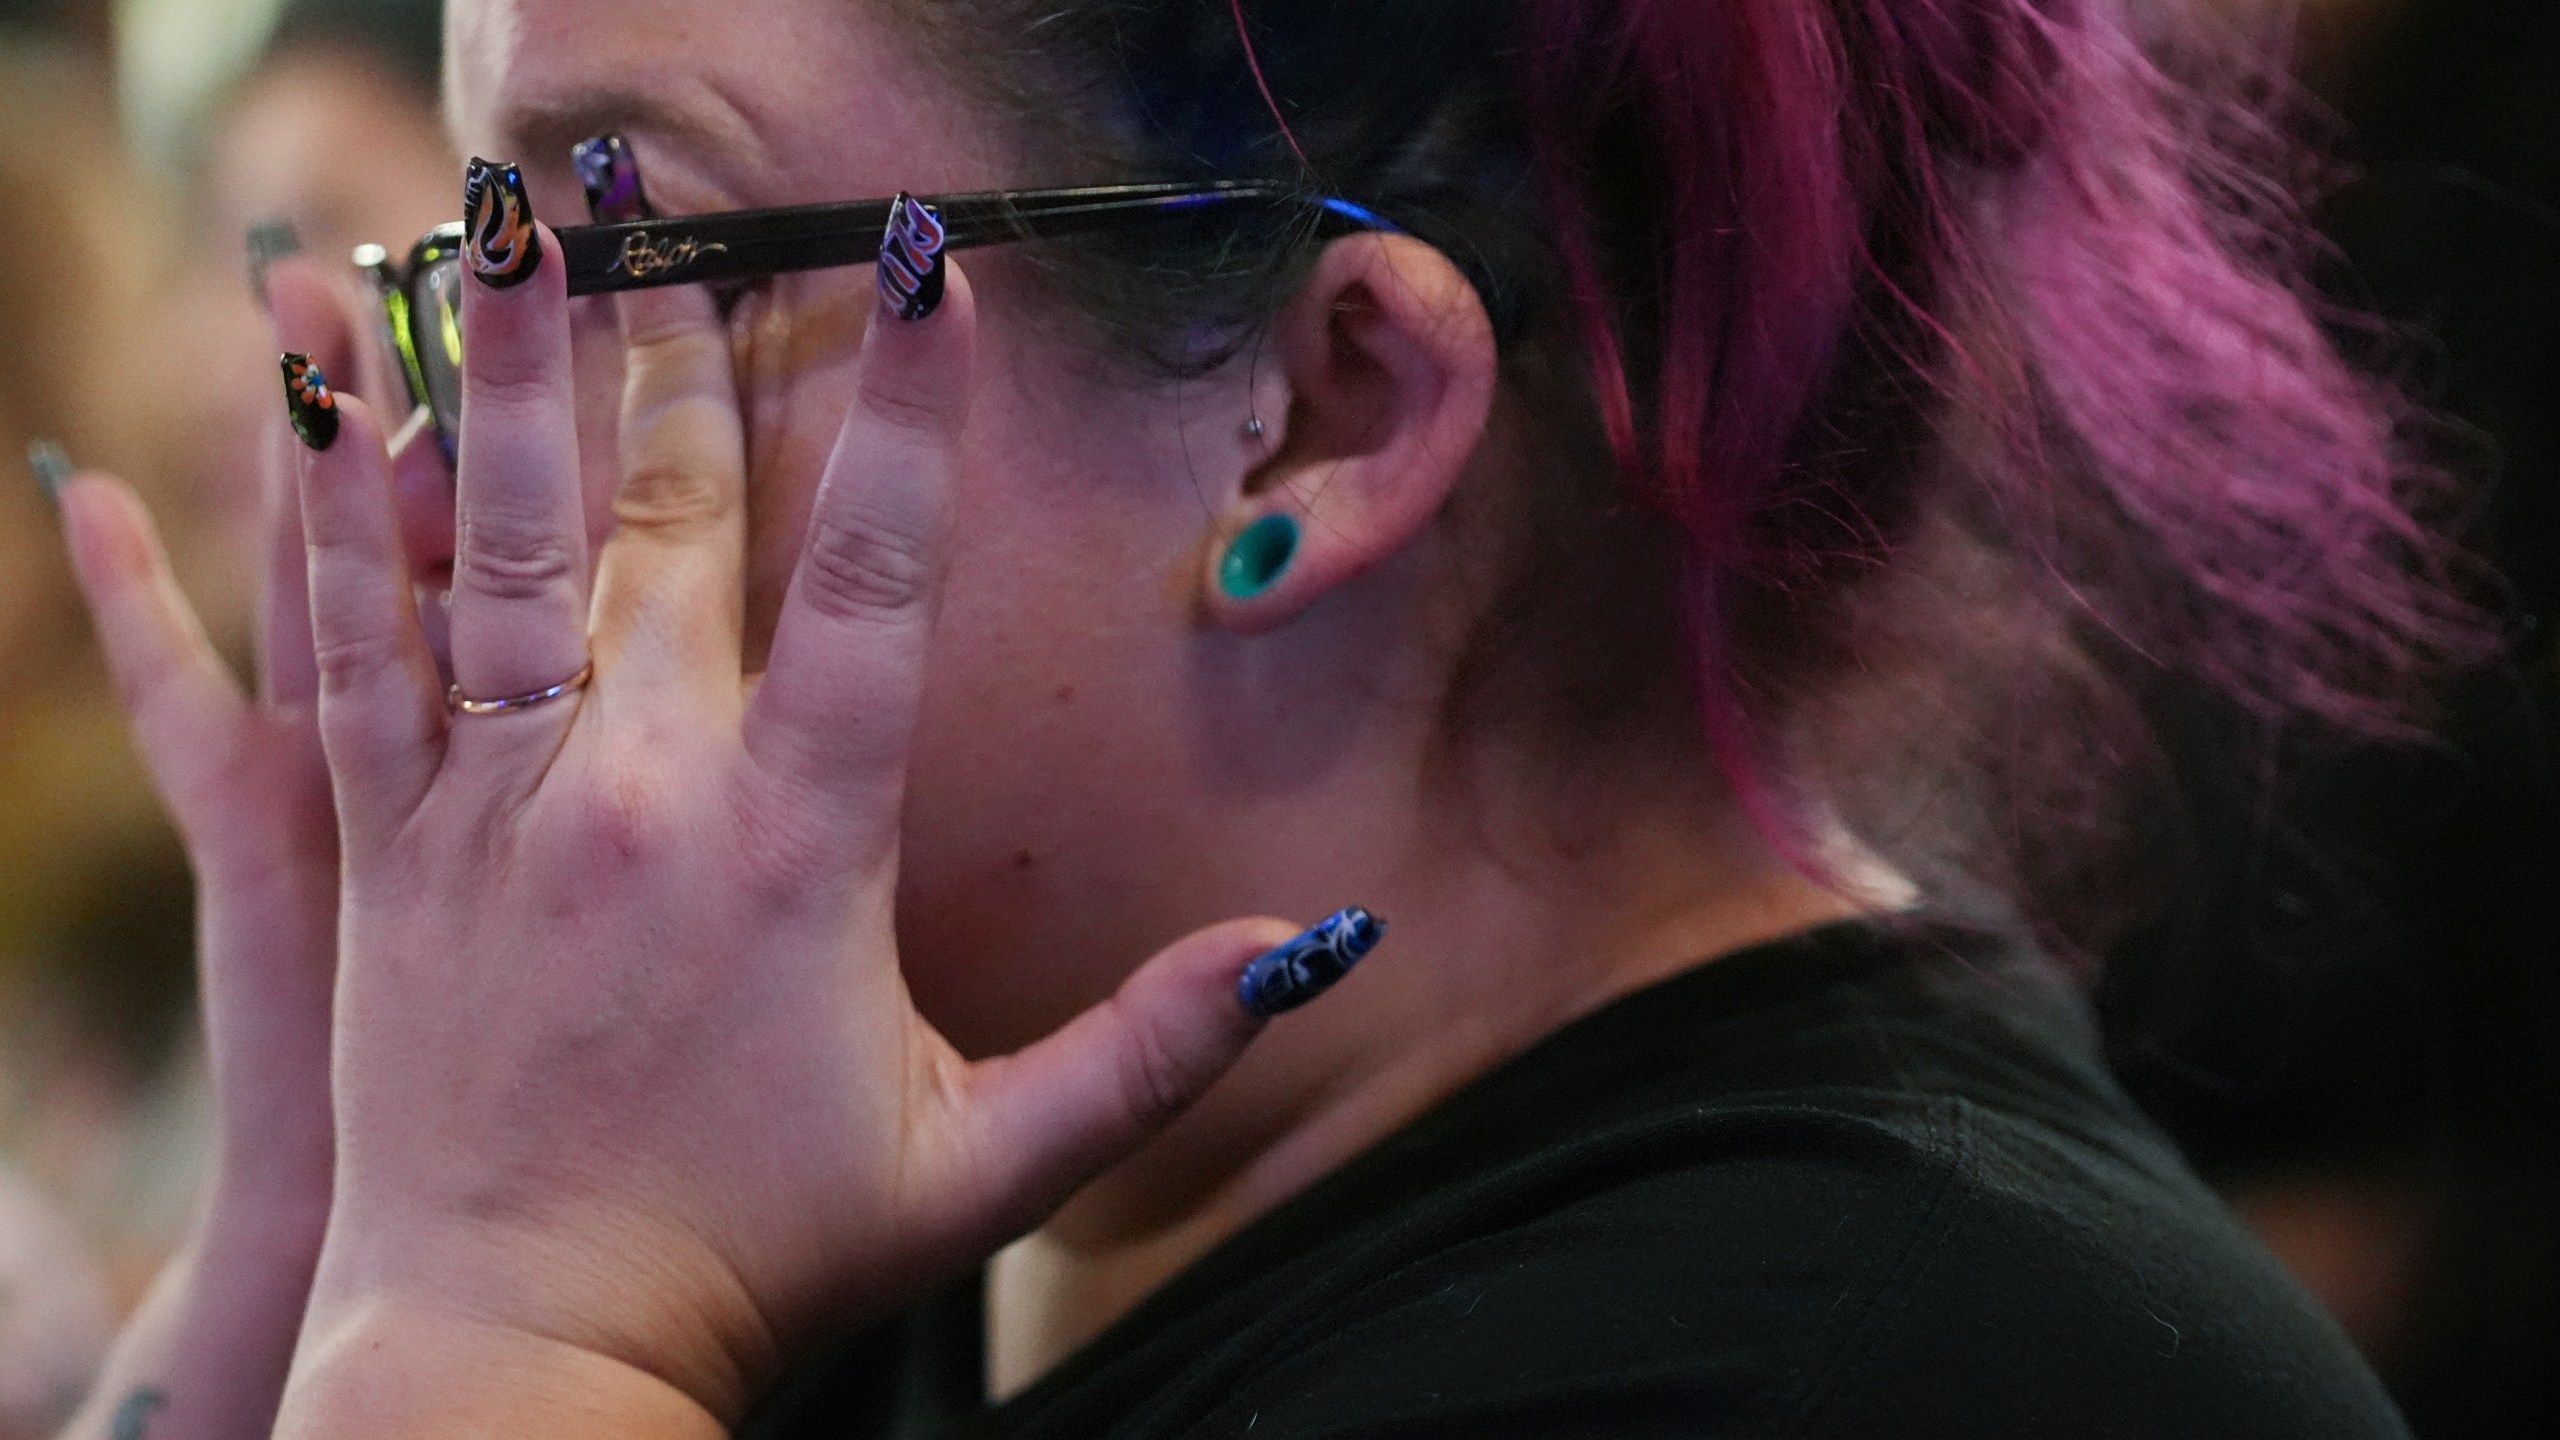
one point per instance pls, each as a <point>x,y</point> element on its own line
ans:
<point>1846,1187</point>
<point>1834,1264</point>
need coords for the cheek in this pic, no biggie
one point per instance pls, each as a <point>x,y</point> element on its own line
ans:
<point>1057,678</point>
<point>1050,704</point>
<point>1067,603</point>
<point>1063,671</point>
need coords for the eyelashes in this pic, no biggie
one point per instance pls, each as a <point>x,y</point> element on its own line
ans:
<point>502,247</point>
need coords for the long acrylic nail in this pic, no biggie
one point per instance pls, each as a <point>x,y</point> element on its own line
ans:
<point>610,174</point>
<point>268,242</point>
<point>501,245</point>
<point>1281,980</point>
<point>911,278</point>
<point>53,468</point>
<point>308,399</point>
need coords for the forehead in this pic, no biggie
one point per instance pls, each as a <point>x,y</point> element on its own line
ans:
<point>779,99</point>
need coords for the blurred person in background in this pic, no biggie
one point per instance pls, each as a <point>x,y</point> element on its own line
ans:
<point>332,139</point>
<point>100,1089</point>
<point>94,898</point>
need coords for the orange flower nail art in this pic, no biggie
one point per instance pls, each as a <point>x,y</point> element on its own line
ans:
<point>308,399</point>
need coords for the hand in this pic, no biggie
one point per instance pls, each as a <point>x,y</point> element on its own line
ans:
<point>627,1073</point>
<point>245,780</point>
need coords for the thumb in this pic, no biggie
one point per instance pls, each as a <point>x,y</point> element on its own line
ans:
<point>1068,1107</point>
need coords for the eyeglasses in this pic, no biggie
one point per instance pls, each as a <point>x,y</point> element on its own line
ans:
<point>422,296</point>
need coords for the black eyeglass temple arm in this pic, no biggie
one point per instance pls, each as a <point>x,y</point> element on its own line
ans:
<point>750,244</point>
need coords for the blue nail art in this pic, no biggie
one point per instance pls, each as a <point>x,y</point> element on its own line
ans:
<point>911,266</point>
<point>1284,979</point>
<point>1257,558</point>
<point>610,174</point>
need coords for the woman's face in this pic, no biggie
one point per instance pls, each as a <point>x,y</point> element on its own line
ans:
<point>1080,720</point>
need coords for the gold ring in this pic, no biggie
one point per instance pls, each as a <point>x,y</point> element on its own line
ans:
<point>458,701</point>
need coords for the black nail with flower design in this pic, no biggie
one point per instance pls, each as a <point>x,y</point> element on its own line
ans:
<point>610,174</point>
<point>500,243</point>
<point>911,277</point>
<point>308,399</point>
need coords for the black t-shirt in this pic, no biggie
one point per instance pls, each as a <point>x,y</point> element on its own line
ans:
<point>1859,1183</point>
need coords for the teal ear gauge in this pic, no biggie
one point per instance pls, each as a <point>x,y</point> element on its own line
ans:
<point>1258,557</point>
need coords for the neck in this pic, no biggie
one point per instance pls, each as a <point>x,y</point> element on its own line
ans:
<point>1491,949</point>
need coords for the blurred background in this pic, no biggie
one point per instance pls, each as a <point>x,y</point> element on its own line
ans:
<point>2351,1020</point>
<point>151,135</point>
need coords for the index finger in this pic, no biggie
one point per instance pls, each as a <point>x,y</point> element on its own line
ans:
<point>837,706</point>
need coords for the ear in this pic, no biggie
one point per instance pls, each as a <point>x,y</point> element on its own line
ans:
<point>1389,366</point>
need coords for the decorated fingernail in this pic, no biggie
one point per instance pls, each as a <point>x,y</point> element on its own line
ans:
<point>52,467</point>
<point>268,242</point>
<point>308,399</point>
<point>911,259</point>
<point>501,244</point>
<point>1284,979</point>
<point>611,175</point>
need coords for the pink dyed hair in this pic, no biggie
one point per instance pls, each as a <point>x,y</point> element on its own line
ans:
<point>2007,221</point>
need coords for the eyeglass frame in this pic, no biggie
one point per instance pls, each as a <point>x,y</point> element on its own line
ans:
<point>746,245</point>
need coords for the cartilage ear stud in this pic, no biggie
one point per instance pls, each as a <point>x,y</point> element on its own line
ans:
<point>1253,428</point>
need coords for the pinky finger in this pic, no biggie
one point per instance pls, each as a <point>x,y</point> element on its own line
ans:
<point>382,716</point>
<point>186,708</point>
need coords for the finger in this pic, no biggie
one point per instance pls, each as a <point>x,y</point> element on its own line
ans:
<point>836,708</point>
<point>308,316</point>
<point>288,673</point>
<point>670,587</point>
<point>381,715</point>
<point>327,310</point>
<point>1066,1108</point>
<point>186,708</point>
<point>520,562</point>
<point>315,310</point>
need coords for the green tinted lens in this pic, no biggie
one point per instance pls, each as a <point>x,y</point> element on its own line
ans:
<point>434,334</point>
<point>422,301</point>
